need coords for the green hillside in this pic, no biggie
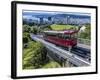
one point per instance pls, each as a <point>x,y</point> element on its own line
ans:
<point>52,64</point>
<point>62,27</point>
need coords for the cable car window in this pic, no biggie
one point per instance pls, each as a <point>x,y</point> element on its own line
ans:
<point>74,36</point>
<point>60,36</point>
<point>67,36</point>
<point>54,35</point>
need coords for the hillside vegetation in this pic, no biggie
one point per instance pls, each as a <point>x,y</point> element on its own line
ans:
<point>62,27</point>
<point>34,53</point>
<point>86,34</point>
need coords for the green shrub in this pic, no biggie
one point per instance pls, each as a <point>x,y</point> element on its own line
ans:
<point>33,56</point>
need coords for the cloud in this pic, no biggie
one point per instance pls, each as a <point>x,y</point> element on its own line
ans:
<point>30,12</point>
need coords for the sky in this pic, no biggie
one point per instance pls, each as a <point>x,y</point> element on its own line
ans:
<point>30,13</point>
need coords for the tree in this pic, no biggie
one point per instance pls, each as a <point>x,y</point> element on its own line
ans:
<point>38,59</point>
<point>25,39</point>
<point>35,30</point>
<point>26,28</point>
<point>87,32</point>
<point>35,56</point>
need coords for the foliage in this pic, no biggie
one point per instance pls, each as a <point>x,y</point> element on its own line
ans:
<point>25,22</point>
<point>35,30</point>
<point>26,37</point>
<point>47,28</point>
<point>52,64</point>
<point>33,55</point>
<point>26,28</point>
<point>86,34</point>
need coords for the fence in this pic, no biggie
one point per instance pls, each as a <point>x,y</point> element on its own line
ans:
<point>84,41</point>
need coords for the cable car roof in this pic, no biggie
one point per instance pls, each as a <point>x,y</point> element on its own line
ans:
<point>63,32</point>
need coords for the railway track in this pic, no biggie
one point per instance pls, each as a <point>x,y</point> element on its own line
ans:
<point>76,56</point>
<point>79,51</point>
<point>84,53</point>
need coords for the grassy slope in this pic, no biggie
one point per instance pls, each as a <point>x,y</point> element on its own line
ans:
<point>28,54</point>
<point>52,64</point>
<point>62,27</point>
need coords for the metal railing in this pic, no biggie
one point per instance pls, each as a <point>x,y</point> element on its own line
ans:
<point>84,41</point>
<point>63,53</point>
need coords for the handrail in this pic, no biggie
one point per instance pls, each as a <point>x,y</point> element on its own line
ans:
<point>84,41</point>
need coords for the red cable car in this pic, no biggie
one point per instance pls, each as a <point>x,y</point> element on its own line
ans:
<point>67,38</point>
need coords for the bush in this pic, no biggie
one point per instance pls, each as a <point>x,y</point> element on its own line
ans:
<point>25,39</point>
<point>26,28</point>
<point>34,56</point>
<point>35,30</point>
<point>87,32</point>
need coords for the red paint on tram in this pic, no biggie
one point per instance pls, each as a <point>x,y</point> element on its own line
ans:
<point>63,38</point>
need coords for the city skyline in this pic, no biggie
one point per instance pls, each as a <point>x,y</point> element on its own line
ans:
<point>56,17</point>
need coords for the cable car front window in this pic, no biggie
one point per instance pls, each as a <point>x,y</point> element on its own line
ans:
<point>74,36</point>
